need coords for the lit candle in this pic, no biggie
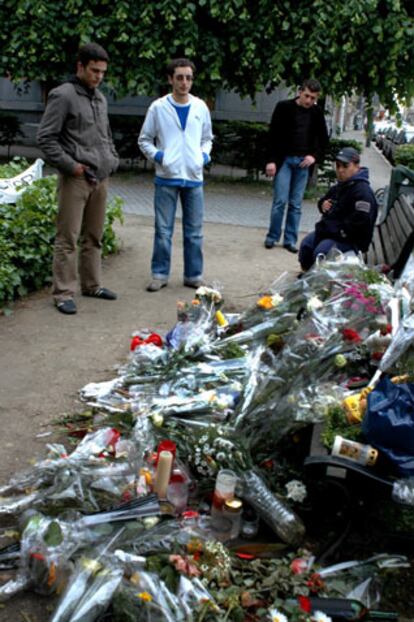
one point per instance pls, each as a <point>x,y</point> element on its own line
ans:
<point>162,474</point>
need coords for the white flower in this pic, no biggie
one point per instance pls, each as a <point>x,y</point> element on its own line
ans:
<point>203,439</point>
<point>276,300</point>
<point>277,616</point>
<point>318,616</point>
<point>150,521</point>
<point>314,303</point>
<point>157,419</point>
<point>296,490</point>
<point>208,292</point>
<point>221,456</point>
<point>206,448</point>
<point>223,442</point>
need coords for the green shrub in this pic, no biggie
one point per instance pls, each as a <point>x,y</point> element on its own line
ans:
<point>110,241</point>
<point>326,172</point>
<point>13,168</point>
<point>27,231</point>
<point>241,144</point>
<point>404,154</point>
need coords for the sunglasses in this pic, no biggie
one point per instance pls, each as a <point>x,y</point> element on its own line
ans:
<point>181,77</point>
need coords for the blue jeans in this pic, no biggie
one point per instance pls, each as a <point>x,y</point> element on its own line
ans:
<point>310,249</point>
<point>165,206</point>
<point>289,187</point>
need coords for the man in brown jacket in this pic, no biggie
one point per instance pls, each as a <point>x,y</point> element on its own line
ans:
<point>75,137</point>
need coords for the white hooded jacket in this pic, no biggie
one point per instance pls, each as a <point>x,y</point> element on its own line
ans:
<point>182,149</point>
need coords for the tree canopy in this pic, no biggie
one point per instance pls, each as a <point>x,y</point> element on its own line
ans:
<point>362,46</point>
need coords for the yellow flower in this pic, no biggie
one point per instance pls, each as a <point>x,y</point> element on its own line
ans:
<point>265,302</point>
<point>145,596</point>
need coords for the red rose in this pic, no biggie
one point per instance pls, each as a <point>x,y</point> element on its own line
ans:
<point>305,604</point>
<point>351,335</point>
<point>135,342</point>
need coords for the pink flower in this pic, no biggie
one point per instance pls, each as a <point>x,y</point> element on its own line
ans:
<point>299,565</point>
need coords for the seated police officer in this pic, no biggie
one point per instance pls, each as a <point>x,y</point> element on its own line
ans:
<point>349,211</point>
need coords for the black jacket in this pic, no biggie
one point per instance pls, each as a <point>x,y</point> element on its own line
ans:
<point>353,213</point>
<point>281,132</point>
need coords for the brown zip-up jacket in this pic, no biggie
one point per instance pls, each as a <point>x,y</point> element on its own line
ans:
<point>75,129</point>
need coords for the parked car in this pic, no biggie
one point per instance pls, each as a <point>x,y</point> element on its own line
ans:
<point>381,129</point>
<point>399,138</point>
<point>388,140</point>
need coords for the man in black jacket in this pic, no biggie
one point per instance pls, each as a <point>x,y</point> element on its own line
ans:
<point>349,211</point>
<point>297,139</point>
<point>75,137</point>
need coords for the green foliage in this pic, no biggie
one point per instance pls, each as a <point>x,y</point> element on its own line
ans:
<point>27,231</point>
<point>13,168</point>
<point>241,144</point>
<point>404,154</point>
<point>326,171</point>
<point>110,241</point>
<point>365,46</point>
<point>336,423</point>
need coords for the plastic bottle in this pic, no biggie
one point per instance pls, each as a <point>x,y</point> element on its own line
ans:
<point>403,491</point>
<point>347,610</point>
<point>274,511</point>
<point>357,452</point>
<point>249,523</point>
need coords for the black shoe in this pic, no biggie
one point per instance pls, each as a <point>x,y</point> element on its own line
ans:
<point>291,248</point>
<point>269,244</point>
<point>102,293</point>
<point>67,307</point>
<point>194,284</point>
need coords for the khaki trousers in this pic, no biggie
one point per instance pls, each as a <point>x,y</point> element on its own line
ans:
<point>81,216</point>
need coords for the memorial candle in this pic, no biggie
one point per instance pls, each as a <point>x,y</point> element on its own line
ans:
<point>163,473</point>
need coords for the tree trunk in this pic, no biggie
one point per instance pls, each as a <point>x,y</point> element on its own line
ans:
<point>370,120</point>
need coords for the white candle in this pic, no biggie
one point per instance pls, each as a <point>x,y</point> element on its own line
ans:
<point>162,474</point>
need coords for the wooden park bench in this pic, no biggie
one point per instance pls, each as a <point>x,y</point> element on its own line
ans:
<point>393,239</point>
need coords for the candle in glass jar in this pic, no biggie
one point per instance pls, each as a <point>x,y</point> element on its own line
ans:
<point>224,489</point>
<point>163,473</point>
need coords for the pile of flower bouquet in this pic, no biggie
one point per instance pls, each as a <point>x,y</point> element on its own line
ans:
<point>220,391</point>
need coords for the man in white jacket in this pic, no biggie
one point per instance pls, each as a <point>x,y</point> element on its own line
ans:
<point>177,137</point>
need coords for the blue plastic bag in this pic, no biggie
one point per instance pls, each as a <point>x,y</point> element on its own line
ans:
<point>388,423</point>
